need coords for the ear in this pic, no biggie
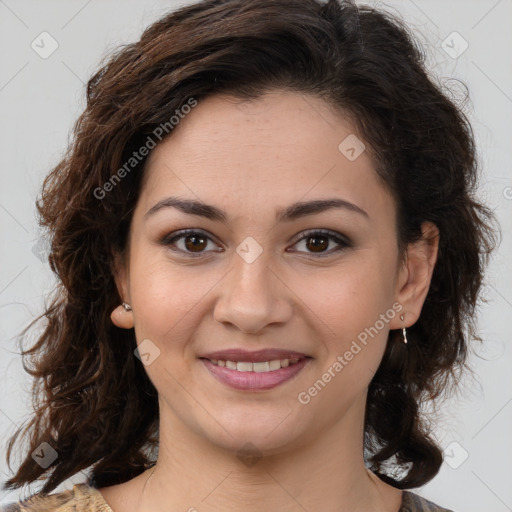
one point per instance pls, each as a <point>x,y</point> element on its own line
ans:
<point>415,275</point>
<point>120,316</point>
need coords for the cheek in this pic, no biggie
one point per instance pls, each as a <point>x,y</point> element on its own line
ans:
<point>167,306</point>
<point>167,297</point>
<point>350,317</point>
<point>350,297</point>
<point>350,310</point>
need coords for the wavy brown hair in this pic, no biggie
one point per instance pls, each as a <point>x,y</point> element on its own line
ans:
<point>94,403</point>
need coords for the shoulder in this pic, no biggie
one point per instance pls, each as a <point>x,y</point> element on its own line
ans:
<point>81,498</point>
<point>412,502</point>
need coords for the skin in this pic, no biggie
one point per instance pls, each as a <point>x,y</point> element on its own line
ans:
<point>250,159</point>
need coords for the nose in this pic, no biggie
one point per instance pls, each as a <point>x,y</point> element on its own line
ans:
<point>252,296</point>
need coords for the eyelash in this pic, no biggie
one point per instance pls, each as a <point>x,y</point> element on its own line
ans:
<point>343,242</point>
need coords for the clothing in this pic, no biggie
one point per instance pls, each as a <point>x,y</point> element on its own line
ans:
<point>83,498</point>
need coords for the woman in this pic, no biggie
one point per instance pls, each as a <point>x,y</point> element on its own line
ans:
<point>269,254</point>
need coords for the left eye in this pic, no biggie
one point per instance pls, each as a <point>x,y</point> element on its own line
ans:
<point>318,242</point>
<point>195,242</point>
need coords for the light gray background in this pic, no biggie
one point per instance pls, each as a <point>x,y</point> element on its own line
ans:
<point>41,98</point>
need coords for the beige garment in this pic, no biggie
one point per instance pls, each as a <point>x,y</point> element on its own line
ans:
<point>84,498</point>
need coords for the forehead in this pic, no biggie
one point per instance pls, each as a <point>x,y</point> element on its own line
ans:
<point>279,148</point>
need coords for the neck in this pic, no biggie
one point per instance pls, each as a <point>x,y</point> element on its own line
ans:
<point>324,473</point>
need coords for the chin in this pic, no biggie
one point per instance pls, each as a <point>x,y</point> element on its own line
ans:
<point>262,437</point>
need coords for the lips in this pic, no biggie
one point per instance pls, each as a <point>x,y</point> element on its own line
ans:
<point>240,355</point>
<point>254,381</point>
<point>260,370</point>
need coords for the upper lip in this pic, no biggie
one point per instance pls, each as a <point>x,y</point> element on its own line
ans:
<point>237,355</point>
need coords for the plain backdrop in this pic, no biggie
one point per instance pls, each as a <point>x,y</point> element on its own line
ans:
<point>41,95</point>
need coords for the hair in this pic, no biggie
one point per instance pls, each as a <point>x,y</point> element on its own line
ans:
<point>93,401</point>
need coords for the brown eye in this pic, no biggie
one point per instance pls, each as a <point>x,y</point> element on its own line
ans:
<point>195,243</point>
<point>190,242</point>
<point>318,243</point>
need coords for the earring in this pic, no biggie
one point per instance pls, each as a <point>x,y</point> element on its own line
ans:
<point>403,329</point>
<point>127,306</point>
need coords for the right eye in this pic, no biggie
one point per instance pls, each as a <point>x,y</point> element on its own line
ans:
<point>188,241</point>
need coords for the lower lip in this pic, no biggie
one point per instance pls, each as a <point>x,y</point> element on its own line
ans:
<point>254,381</point>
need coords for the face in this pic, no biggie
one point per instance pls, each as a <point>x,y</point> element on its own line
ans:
<point>256,271</point>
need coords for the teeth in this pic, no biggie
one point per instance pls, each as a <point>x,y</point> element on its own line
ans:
<point>243,367</point>
<point>259,367</point>
<point>263,366</point>
<point>274,365</point>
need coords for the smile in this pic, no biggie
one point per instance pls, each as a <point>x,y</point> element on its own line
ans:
<point>254,376</point>
<point>259,367</point>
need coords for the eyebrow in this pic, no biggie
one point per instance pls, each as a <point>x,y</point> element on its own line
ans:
<point>292,212</point>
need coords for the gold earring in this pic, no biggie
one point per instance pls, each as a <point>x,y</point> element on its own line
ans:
<point>404,333</point>
<point>127,306</point>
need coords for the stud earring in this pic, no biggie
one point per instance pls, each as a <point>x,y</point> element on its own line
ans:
<point>403,329</point>
<point>127,306</point>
